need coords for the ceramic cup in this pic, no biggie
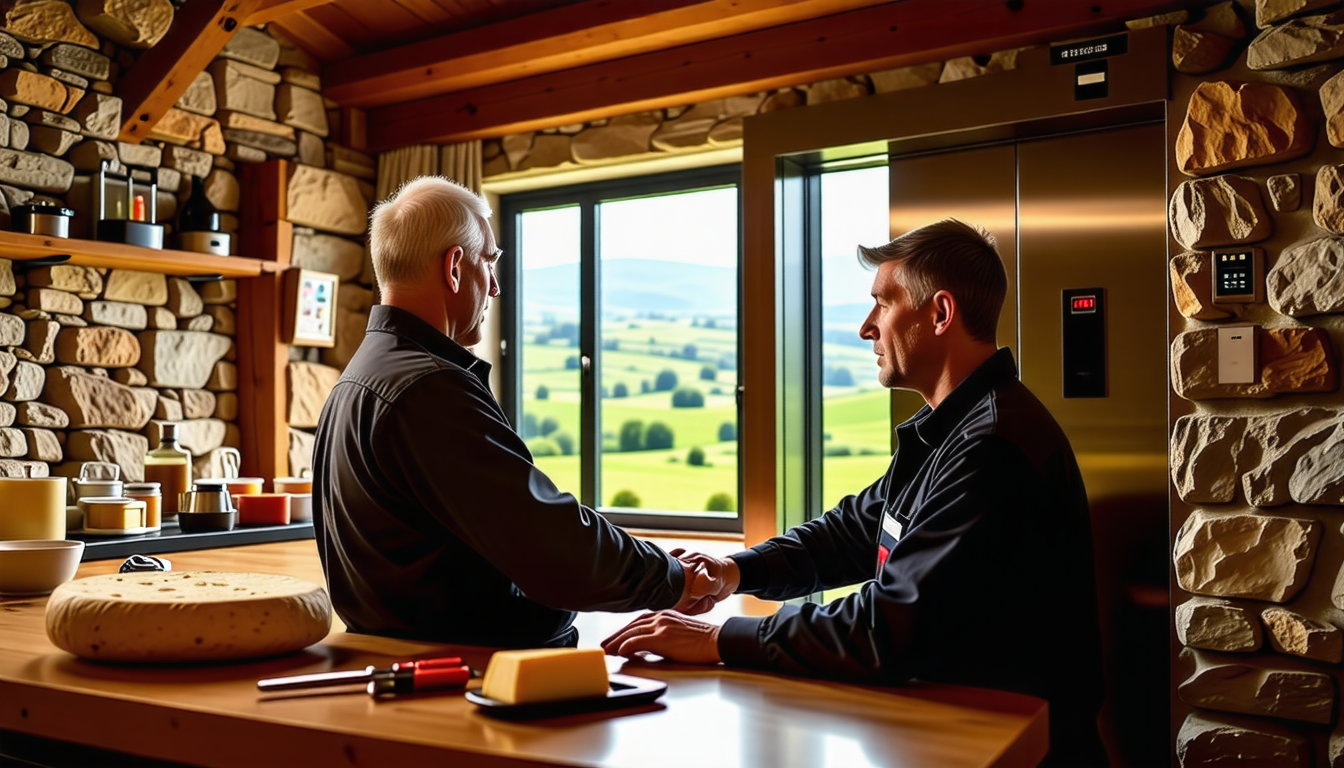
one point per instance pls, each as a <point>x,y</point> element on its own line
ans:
<point>300,507</point>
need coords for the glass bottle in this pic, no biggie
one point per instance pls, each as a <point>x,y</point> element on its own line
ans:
<point>198,214</point>
<point>169,465</point>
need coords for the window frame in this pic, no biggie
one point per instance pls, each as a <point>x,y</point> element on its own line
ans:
<point>588,197</point>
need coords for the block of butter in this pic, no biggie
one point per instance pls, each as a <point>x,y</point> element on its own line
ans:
<point>546,674</point>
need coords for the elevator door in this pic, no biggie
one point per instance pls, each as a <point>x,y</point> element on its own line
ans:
<point>1071,212</point>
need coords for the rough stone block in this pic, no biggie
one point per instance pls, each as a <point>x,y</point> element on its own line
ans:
<point>188,161</point>
<point>26,382</point>
<point>180,358</point>
<point>301,108</point>
<point>34,89</point>
<point>99,116</point>
<point>1318,477</point>
<point>252,46</point>
<point>183,300</point>
<point>219,292</point>
<point>78,59</point>
<point>129,23</point>
<point>101,346</point>
<point>1217,625</point>
<point>39,346</point>
<point>186,129</point>
<point>90,155</point>
<point>131,377</point>
<point>51,141</point>
<point>200,96</point>
<point>241,154</point>
<point>1204,453</point>
<point>266,142</point>
<point>350,329</point>
<point>1299,41</point>
<point>42,445</point>
<point>221,188</point>
<point>225,321</point>
<point>238,88</point>
<point>117,314</point>
<point>312,150</point>
<point>144,288</point>
<point>97,401</point>
<point>328,253</point>
<point>32,414</point>
<point>48,300</point>
<point>1224,210</point>
<point>1280,440</point>
<point>198,323</point>
<point>12,331</point>
<point>1308,278</point>
<point>1232,125</point>
<point>125,449</point>
<point>85,282</point>
<point>1207,743</point>
<point>226,406</point>
<point>1192,286</point>
<point>1297,635</point>
<point>224,377</point>
<point>300,452</point>
<point>309,385</point>
<point>1285,693</point>
<point>326,200</point>
<point>1285,191</point>
<point>1291,360</point>
<point>621,136</point>
<point>36,172</point>
<point>200,436</point>
<point>168,410</point>
<point>46,21</point>
<point>197,403</point>
<point>1256,557</point>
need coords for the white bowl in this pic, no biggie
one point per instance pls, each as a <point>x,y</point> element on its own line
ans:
<point>36,566</point>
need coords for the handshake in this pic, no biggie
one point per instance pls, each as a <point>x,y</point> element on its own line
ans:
<point>673,634</point>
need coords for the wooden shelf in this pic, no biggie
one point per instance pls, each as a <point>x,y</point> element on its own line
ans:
<point>19,246</point>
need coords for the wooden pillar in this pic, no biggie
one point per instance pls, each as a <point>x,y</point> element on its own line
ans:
<point>262,356</point>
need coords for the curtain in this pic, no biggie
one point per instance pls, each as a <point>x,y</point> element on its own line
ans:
<point>459,162</point>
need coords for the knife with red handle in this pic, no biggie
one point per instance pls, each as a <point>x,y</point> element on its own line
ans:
<point>401,678</point>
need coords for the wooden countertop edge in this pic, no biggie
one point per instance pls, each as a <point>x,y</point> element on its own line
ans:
<point>173,733</point>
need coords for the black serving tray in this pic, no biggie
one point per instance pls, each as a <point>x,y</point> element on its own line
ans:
<point>172,539</point>
<point>625,691</point>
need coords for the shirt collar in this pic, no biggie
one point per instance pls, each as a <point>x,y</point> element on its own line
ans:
<point>395,320</point>
<point>933,425</point>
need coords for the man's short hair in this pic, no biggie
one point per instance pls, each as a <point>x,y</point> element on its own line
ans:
<point>411,231</point>
<point>950,256</point>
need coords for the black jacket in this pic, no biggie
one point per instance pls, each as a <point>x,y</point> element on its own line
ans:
<point>975,553</point>
<point>433,523</point>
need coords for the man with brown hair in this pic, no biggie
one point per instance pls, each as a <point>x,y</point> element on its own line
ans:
<point>974,550</point>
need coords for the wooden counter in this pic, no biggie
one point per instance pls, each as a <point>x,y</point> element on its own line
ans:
<point>710,716</point>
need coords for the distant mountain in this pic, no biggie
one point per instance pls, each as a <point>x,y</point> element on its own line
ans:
<point>639,285</point>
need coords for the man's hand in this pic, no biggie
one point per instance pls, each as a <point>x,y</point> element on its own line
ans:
<point>708,581</point>
<point>671,635</point>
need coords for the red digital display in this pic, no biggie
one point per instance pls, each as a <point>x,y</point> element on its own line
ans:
<point>1084,304</point>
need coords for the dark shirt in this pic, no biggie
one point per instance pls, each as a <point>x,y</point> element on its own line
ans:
<point>976,547</point>
<point>433,523</point>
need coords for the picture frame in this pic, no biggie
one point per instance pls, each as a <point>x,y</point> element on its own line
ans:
<point>310,308</point>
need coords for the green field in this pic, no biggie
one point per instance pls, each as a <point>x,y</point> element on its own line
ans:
<point>854,417</point>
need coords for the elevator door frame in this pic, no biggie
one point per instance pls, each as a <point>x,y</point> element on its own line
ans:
<point>1035,100</point>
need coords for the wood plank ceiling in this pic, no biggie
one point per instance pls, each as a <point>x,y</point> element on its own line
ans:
<point>440,71</point>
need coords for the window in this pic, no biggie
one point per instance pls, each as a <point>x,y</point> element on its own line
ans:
<point>621,361</point>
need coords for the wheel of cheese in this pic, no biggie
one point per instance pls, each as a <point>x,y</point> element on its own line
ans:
<point>186,616</point>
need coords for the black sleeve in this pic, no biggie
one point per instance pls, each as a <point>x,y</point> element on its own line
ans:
<point>485,489</point>
<point>835,550</point>
<point>934,577</point>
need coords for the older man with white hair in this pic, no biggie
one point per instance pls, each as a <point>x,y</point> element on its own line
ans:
<point>431,520</point>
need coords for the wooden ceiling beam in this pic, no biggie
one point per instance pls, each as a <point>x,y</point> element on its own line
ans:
<point>270,10</point>
<point>548,41</point>
<point>163,73</point>
<point>314,38</point>
<point>868,40</point>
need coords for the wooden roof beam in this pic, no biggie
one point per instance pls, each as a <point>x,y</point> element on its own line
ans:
<point>162,74</point>
<point>270,10</point>
<point>314,38</point>
<point>868,40</point>
<point>548,41</point>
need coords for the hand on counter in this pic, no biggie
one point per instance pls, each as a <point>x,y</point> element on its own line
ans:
<point>671,635</point>
<point>708,581</point>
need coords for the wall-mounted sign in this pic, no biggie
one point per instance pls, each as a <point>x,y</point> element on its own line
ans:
<point>1086,50</point>
<point>310,308</point>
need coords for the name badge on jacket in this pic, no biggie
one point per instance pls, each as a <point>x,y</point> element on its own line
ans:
<point>886,540</point>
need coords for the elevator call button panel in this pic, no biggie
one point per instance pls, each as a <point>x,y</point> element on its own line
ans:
<point>1238,276</point>
<point>1084,342</point>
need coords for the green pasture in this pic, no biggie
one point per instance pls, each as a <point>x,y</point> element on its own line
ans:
<point>662,479</point>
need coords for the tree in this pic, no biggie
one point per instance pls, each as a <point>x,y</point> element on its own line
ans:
<point>564,441</point>
<point>720,502</point>
<point>549,425</point>
<point>658,436</point>
<point>625,498</point>
<point>644,387</point>
<point>688,397</point>
<point>666,381</point>
<point>543,447</point>
<point>632,435</point>
<point>530,424</point>
<point>839,376</point>
<point>620,390</point>
<point>695,457</point>
<point>572,363</point>
<point>689,351</point>
<point>727,431</point>
<point>543,392</point>
<point>708,373</point>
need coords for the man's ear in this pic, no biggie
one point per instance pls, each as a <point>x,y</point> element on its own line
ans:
<point>452,267</point>
<point>944,312</point>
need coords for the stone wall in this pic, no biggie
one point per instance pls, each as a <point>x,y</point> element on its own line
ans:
<point>1258,468</point>
<point>92,359</point>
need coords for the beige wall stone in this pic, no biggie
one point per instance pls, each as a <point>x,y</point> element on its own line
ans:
<point>1224,210</point>
<point>1318,477</point>
<point>102,346</point>
<point>125,449</point>
<point>1281,440</point>
<point>130,23</point>
<point>1256,557</point>
<point>1232,125</point>
<point>309,385</point>
<point>300,452</point>
<point>180,358</point>
<point>1192,286</point>
<point>326,200</point>
<point>97,401</point>
<point>1218,625</point>
<point>1296,635</point>
<point>145,288</point>
<point>328,253</point>
<point>1291,360</point>
<point>1203,460</point>
<point>1203,741</point>
<point>1299,41</point>
<point>1284,693</point>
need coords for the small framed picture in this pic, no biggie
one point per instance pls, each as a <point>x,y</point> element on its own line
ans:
<point>310,311</point>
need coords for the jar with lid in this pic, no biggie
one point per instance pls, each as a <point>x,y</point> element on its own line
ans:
<point>151,494</point>
<point>170,466</point>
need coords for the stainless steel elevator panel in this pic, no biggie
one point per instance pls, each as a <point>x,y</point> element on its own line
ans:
<point>1092,213</point>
